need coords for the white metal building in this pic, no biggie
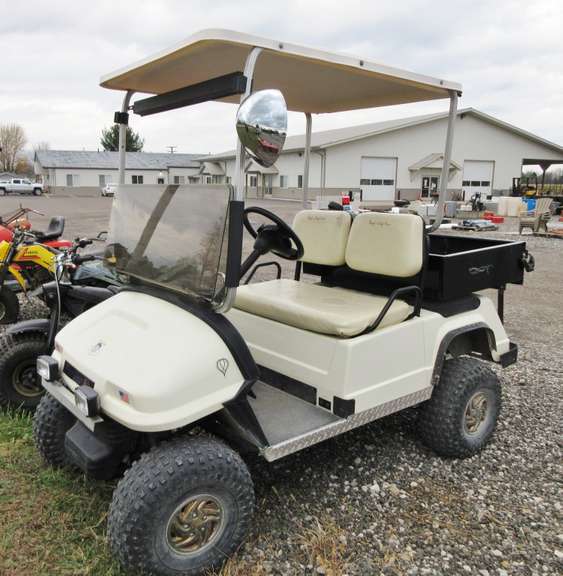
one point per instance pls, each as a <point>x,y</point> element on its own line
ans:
<point>398,159</point>
<point>84,169</point>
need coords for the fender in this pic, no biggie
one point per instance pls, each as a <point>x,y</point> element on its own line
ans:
<point>35,326</point>
<point>14,271</point>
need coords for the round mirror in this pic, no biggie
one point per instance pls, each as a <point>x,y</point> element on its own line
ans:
<point>262,125</point>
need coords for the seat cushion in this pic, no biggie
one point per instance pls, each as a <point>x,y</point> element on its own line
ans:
<point>323,309</point>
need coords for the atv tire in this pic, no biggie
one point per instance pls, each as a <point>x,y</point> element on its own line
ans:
<point>182,508</point>
<point>461,416</point>
<point>9,306</point>
<point>51,422</point>
<point>20,386</point>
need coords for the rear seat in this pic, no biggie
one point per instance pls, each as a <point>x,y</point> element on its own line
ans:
<point>389,245</point>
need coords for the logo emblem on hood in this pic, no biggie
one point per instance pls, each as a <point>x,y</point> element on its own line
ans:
<point>97,347</point>
<point>223,366</point>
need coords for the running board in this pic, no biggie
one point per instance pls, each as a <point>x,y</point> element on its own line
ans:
<point>337,427</point>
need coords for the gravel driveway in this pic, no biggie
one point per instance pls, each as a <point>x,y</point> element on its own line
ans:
<point>376,501</point>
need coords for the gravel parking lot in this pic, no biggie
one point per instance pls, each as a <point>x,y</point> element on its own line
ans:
<point>376,501</point>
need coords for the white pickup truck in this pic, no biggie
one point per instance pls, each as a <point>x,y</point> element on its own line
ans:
<point>20,186</point>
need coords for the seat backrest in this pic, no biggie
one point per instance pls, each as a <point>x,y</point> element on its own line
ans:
<point>386,244</point>
<point>543,205</point>
<point>324,234</point>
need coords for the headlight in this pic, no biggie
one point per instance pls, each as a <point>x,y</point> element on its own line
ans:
<point>47,368</point>
<point>86,400</point>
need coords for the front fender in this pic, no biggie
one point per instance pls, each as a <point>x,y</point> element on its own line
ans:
<point>37,325</point>
<point>14,271</point>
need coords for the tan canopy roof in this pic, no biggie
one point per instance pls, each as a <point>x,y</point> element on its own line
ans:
<point>311,80</point>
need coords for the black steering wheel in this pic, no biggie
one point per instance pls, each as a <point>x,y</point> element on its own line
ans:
<point>276,237</point>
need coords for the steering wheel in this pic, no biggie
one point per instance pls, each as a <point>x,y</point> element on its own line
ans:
<point>276,237</point>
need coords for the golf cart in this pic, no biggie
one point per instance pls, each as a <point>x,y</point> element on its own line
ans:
<point>184,370</point>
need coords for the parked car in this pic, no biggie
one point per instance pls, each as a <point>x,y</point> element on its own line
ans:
<point>109,189</point>
<point>21,186</point>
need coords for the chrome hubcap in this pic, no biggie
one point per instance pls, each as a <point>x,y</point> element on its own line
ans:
<point>476,412</point>
<point>195,524</point>
<point>26,381</point>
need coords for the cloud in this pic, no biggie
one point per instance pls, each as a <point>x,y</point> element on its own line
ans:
<point>507,54</point>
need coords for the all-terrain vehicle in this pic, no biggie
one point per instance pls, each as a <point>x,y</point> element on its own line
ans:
<point>184,370</point>
<point>79,283</point>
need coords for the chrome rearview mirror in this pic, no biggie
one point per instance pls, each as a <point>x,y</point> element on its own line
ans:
<point>262,125</point>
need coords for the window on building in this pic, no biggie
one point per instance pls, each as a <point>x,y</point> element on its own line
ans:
<point>227,179</point>
<point>388,182</point>
<point>300,181</point>
<point>485,183</point>
<point>365,182</point>
<point>466,183</point>
<point>102,180</point>
<point>475,183</point>
<point>179,179</point>
<point>253,181</point>
<point>193,179</point>
<point>160,180</point>
<point>137,179</point>
<point>216,179</point>
<point>283,181</point>
<point>377,182</point>
<point>208,180</point>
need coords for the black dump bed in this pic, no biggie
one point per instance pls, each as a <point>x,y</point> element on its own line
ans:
<point>460,265</point>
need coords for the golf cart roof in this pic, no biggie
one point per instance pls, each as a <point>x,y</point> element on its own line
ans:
<point>311,80</point>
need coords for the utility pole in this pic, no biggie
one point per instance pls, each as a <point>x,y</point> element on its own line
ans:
<point>172,149</point>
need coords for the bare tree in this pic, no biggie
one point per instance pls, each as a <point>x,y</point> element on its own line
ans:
<point>12,142</point>
<point>38,146</point>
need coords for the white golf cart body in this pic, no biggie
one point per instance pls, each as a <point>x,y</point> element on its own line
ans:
<point>330,358</point>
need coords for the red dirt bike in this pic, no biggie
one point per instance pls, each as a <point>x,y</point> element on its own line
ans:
<point>50,237</point>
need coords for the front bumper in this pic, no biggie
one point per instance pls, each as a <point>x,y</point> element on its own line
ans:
<point>65,396</point>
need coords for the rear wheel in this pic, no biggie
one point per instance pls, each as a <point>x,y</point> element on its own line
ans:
<point>9,306</point>
<point>2,191</point>
<point>461,416</point>
<point>20,385</point>
<point>51,422</point>
<point>182,508</point>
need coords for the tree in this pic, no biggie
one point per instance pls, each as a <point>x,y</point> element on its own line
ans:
<point>110,140</point>
<point>12,142</point>
<point>39,146</point>
<point>23,167</point>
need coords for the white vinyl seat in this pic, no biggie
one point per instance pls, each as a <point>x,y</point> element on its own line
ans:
<point>389,245</point>
<point>326,310</point>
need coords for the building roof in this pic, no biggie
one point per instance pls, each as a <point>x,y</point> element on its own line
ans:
<point>110,160</point>
<point>311,80</point>
<point>328,138</point>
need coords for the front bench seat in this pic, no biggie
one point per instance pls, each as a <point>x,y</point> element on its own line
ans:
<point>385,244</point>
<point>334,311</point>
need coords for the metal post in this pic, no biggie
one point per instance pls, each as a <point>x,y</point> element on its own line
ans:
<point>123,137</point>
<point>446,165</point>
<point>239,163</point>
<point>307,158</point>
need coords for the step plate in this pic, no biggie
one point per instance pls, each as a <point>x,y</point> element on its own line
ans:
<point>319,434</point>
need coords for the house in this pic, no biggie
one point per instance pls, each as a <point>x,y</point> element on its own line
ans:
<point>398,159</point>
<point>85,169</point>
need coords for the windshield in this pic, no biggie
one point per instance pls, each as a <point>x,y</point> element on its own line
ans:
<point>171,236</point>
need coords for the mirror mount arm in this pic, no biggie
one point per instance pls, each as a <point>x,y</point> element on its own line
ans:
<point>123,135</point>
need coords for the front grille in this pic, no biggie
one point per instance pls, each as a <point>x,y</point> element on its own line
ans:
<point>76,376</point>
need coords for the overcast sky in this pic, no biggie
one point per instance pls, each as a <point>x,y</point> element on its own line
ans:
<point>508,54</point>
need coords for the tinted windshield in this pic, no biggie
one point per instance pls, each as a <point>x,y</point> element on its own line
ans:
<point>172,236</point>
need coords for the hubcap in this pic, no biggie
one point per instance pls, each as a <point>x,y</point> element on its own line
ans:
<point>26,381</point>
<point>195,524</point>
<point>476,413</point>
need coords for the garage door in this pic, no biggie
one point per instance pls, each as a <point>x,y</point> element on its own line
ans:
<point>377,179</point>
<point>477,177</point>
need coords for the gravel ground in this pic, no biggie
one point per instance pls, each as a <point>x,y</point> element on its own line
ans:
<point>376,501</point>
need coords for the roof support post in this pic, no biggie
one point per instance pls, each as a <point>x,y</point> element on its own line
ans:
<point>123,137</point>
<point>307,157</point>
<point>239,163</point>
<point>447,159</point>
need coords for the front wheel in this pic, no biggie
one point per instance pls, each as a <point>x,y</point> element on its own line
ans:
<point>9,306</point>
<point>20,385</point>
<point>37,191</point>
<point>51,422</point>
<point>461,416</point>
<point>182,508</point>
